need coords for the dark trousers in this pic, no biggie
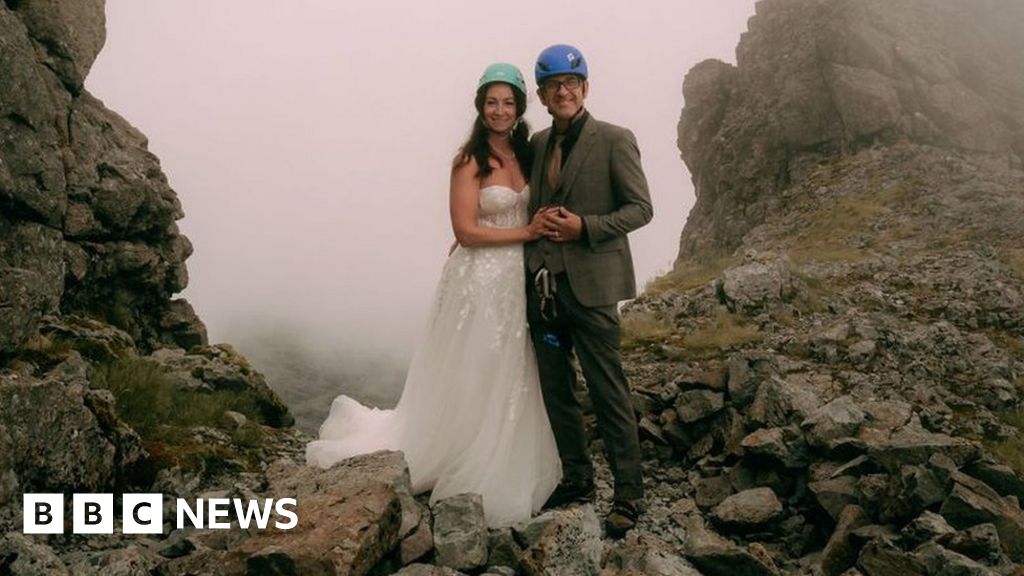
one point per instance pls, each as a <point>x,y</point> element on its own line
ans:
<point>594,334</point>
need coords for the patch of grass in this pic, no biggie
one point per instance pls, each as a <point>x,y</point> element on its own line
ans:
<point>1007,340</point>
<point>689,275</point>
<point>726,331</point>
<point>825,240</point>
<point>1011,450</point>
<point>1013,258</point>
<point>163,414</point>
<point>45,350</point>
<point>643,328</point>
<point>812,298</point>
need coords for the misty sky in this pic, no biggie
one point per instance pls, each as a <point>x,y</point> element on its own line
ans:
<point>310,141</point>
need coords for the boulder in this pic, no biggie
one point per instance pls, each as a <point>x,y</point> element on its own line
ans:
<point>840,553</point>
<point>925,527</point>
<point>460,532</point>
<point>835,494</point>
<point>714,555</point>
<point>748,510</point>
<point>567,542</point>
<point>980,542</point>
<point>779,402</point>
<point>349,519</point>
<point>694,405</point>
<point>755,284</point>
<point>839,418</point>
<point>912,444</point>
<point>645,555</point>
<point>942,562</point>
<point>882,558</point>
<point>973,502</point>
<point>21,555</point>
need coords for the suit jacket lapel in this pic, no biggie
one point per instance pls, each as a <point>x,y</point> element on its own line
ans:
<point>578,156</point>
<point>538,187</point>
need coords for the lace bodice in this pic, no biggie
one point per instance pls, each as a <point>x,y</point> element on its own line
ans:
<point>489,280</point>
<point>503,207</point>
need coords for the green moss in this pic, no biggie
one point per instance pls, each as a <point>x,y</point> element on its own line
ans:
<point>643,328</point>
<point>689,275</point>
<point>1013,258</point>
<point>825,240</point>
<point>813,298</point>
<point>1011,450</point>
<point>164,414</point>
<point>724,332</point>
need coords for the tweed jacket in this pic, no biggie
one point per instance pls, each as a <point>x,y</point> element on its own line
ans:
<point>603,182</point>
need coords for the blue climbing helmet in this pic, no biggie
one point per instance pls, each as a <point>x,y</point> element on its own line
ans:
<point>559,59</point>
<point>503,72</point>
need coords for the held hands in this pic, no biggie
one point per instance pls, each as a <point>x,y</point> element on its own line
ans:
<point>559,224</point>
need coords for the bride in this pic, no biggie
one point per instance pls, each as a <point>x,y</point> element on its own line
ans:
<point>471,417</point>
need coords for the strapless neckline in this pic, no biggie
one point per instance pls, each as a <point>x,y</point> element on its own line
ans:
<point>509,188</point>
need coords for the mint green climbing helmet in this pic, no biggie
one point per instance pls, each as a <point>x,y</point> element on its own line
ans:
<point>503,72</point>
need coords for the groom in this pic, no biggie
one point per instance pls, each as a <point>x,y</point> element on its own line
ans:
<point>592,192</point>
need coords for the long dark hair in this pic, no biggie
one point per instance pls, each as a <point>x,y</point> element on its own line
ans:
<point>478,148</point>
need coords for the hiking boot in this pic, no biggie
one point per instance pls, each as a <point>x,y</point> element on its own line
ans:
<point>571,492</point>
<point>622,517</point>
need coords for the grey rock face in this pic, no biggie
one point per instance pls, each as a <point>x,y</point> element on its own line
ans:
<point>569,542</point>
<point>89,219</point>
<point>68,34</point>
<point>31,278</point>
<point>58,434</point>
<point>460,532</point>
<point>819,76</point>
<point>23,556</point>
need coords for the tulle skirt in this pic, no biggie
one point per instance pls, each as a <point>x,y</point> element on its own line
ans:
<point>471,417</point>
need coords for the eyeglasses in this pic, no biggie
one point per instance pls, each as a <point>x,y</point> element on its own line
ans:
<point>551,85</point>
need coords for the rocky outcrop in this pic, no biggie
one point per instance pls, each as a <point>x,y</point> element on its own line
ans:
<point>87,218</point>
<point>851,272</point>
<point>58,434</point>
<point>815,79</point>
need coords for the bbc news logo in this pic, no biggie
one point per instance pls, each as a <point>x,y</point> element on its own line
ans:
<point>144,513</point>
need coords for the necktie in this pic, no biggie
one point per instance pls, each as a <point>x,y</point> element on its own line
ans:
<point>555,164</point>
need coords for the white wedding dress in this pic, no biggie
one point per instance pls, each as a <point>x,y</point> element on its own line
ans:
<point>471,417</point>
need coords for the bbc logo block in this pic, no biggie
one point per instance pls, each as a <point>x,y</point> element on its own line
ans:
<point>43,514</point>
<point>144,513</point>
<point>93,514</point>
